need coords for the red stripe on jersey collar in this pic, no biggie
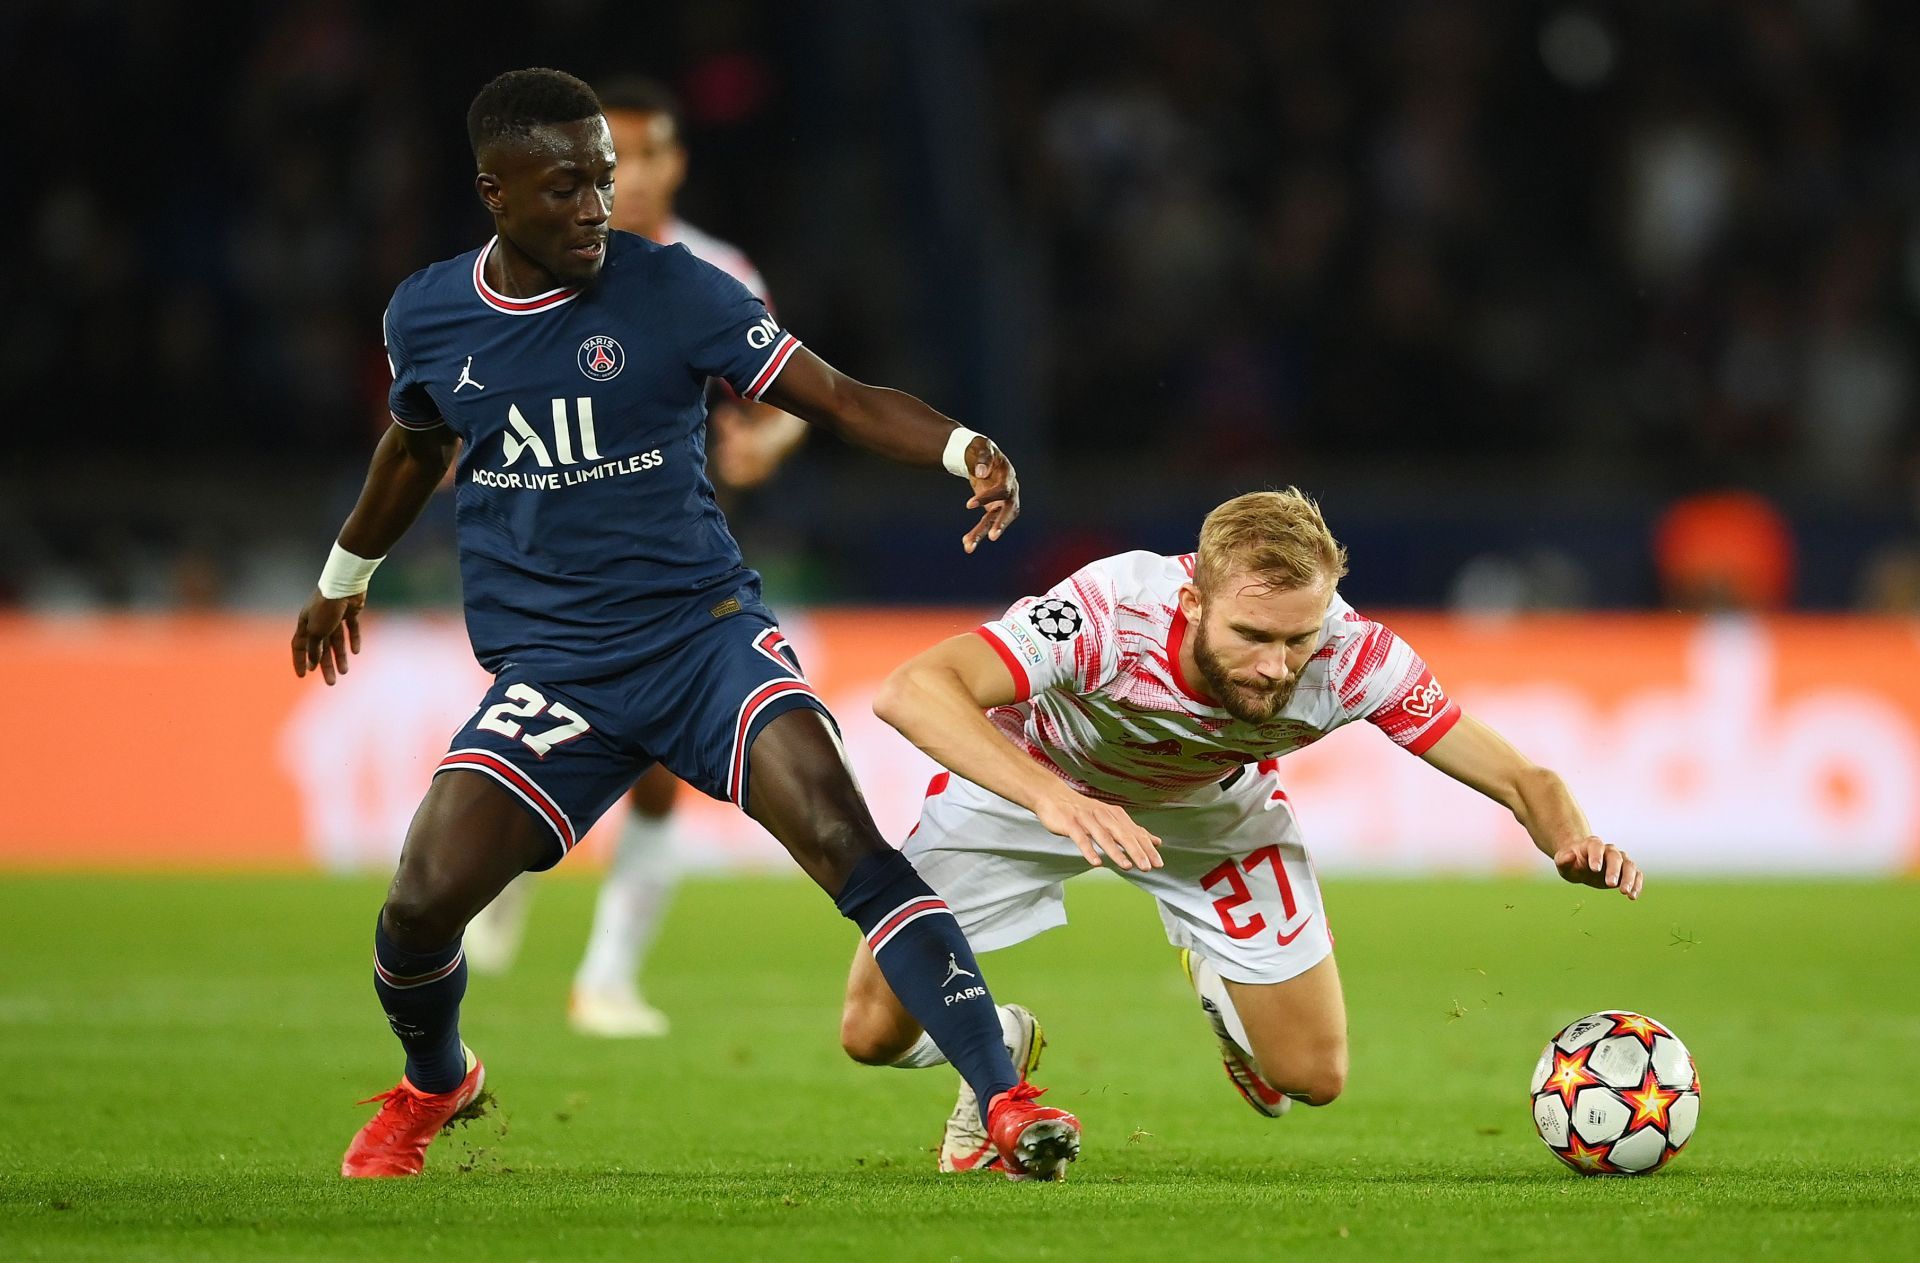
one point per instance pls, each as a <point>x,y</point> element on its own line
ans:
<point>513,306</point>
<point>1176,638</point>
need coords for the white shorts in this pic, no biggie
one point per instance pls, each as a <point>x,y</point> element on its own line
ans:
<point>1237,888</point>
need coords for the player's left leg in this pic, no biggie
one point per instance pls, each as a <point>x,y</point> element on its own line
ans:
<point>1239,896</point>
<point>1002,875</point>
<point>633,901</point>
<point>1295,1031</point>
<point>734,717</point>
<point>877,1030</point>
<point>803,792</point>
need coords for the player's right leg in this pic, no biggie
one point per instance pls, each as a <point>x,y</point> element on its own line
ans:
<point>507,798</point>
<point>468,840</point>
<point>633,900</point>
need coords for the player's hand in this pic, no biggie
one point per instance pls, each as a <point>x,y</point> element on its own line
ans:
<point>327,631</point>
<point>1098,829</point>
<point>996,489</point>
<point>1591,862</point>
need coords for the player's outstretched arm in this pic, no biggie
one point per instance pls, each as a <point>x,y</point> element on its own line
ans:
<point>1476,755</point>
<point>407,465</point>
<point>894,424</point>
<point>938,699</point>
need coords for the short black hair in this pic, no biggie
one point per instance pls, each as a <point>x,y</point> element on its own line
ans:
<point>637,94</point>
<point>515,103</point>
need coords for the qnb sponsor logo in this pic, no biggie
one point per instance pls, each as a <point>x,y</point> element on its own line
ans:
<point>571,459</point>
<point>761,334</point>
<point>966,993</point>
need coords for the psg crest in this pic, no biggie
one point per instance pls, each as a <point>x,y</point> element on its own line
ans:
<point>601,358</point>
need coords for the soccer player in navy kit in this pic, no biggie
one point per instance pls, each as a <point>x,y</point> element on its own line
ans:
<point>606,595</point>
<point>746,443</point>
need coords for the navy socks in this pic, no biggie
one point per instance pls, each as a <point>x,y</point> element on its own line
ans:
<point>421,993</point>
<point>929,965</point>
<point>913,937</point>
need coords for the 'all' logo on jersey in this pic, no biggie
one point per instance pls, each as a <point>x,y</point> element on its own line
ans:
<point>601,358</point>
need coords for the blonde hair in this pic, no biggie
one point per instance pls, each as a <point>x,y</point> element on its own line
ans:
<point>1277,535</point>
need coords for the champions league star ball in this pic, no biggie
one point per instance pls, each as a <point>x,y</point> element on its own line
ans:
<point>1615,1093</point>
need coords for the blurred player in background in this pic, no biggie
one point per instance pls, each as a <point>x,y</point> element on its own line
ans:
<point>746,440</point>
<point>1144,703</point>
<point>569,363</point>
<point>1724,552</point>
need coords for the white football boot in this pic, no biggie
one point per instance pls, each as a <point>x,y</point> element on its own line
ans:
<point>1241,1068</point>
<point>614,1013</point>
<point>966,1145</point>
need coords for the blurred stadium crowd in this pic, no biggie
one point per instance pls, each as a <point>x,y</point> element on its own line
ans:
<point>1503,281</point>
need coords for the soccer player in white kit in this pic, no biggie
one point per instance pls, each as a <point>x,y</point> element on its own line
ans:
<point>1136,713</point>
<point>747,441</point>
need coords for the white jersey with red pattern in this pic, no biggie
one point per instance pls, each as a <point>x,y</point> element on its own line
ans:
<point>724,255</point>
<point>1105,705</point>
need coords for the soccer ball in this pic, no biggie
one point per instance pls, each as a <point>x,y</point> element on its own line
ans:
<point>1615,1093</point>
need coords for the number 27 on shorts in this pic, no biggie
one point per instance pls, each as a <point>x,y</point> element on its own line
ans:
<point>1233,877</point>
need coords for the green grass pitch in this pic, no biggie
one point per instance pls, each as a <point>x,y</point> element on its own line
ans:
<point>179,1061</point>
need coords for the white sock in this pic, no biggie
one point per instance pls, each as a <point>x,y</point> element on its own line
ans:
<point>492,938</point>
<point>925,1052</point>
<point>922,1054</point>
<point>633,899</point>
<point>1009,1028</point>
<point>1213,988</point>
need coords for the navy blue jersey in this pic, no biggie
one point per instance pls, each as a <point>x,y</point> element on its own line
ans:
<point>589,537</point>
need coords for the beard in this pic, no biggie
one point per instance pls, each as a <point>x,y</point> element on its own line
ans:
<point>1251,700</point>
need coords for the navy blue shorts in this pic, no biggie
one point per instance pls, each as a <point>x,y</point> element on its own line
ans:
<point>569,751</point>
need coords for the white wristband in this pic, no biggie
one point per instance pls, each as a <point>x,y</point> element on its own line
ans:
<point>346,574</point>
<point>955,457</point>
